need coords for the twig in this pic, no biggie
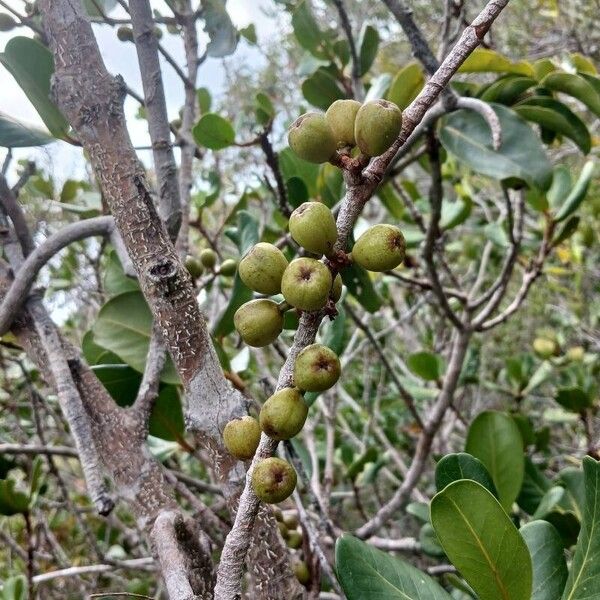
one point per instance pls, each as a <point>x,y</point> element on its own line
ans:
<point>347,27</point>
<point>273,161</point>
<point>134,563</point>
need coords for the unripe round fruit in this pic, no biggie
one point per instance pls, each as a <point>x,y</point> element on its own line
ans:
<point>575,353</point>
<point>336,289</point>
<point>306,284</point>
<point>194,267</point>
<point>544,347</point>
<point>291,521</point>
<point>7,23</point>
<point>294,540</point>
<point>228,267</point>
<point>380,248</point>
<point>125,34</point>
<point>317,368</point>
<point>377,125</point>
<point>208,257</point>
<point>259,322</point>
<point>273,480</point>
<point>341,116</point>
<point>277,514</point>
<point>158,33</point>
<point>241,437</point>
<point>313,227</point>
<point>262,268</point>
<point>301,572</point>
<point>311,138</point>
<point>283,415</point>
<point>283,530</point>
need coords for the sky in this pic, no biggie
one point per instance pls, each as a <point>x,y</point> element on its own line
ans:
<point>66,161</point>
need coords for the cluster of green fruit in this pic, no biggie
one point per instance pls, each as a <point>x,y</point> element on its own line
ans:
<point>306,283</point>
<point>372,126</point>
<point>292,535</point>
<point>208,261</point>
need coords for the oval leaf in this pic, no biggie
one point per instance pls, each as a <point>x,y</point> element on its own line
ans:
<point>366,573</point>
<point>482,542</point>
<point>426,365</point>
<point>577,194</point>
<point>548,559</point>
<point>453,467</point>
<point>214,132</point>
<point>521,155</point>
<point>368,44</point>
<point>321,89</point>
<point>14,134</point>
<point>494,438</point>
<point>484,60</point>
<point>576,86</point>
<point>406,85</point>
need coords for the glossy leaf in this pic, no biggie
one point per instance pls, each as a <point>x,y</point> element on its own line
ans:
<point>204,99</point>
<point>366,573</point>
<point>123,326</point>
<point>576,86</point>
<point>577,194</point>
<point>166,418</point>
<point>214,132</point>
<point>584,577</point>
<point>484,60</point>
<point>466,135</point>
<point>15,134</point>
<point>406,85</point>
<point>507,90</point>
<point>556,116</point>
<point>535,485</point>
<point>574,399</point>
<point>426,365</point>
<point>368,45</point>
<point>548,560</point>
<point>496,441</point>
<point>453,467</point>
<point>482,542</point>
<point>293,166</point>
<point>32,65</point>
<point>321,89</point>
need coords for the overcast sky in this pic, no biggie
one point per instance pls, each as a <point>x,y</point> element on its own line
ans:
<point>66,161</point>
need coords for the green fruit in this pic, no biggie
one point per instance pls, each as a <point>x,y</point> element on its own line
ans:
<point>291,521</point>
<point>306,284</point>
<point>341,116</point>
<point>313,227</point>
<point>228,267</point>
<point>311,138</point>
<point>259,322</point>
<point>194,267</point>
<point>241,437</point>
<point>377,125</point>
<point>336,289</point>
<point>158,33</point>
<point>176,123</point>
<point>125,34</point>
<point>301,572</point>
<point>317,368</point>
<point>294,540</point>
<point>283,530</point>
<point>283,415</point>
<point>262,268</point>
<point>273,480</point>
<point>575,353</point>
<point>278,514</point>
<point>208,257</point>
<point>380,248</point>
<point>544,347</point>
<point>7,23</point>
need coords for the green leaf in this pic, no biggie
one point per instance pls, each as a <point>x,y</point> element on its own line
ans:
<point>292,166</point>
<point>495,440</point>
<point>496,234</point>
<point>548,560</point>
<point>576,86</point>
<point>561,185</point>
<point>220,29</point>
<point>455,213</point>
<point>426,365</point>
<point>249,33</point>
<point>321,89</point>
<point>391,200</point>
<point>359,284</point>
<point>166,418</point>
<point>507,90</point>
<point>115,280</point>
<point>120,380</point>
<point>15,588</point>
<point>568,228</point>
<point>406,85</point>
<point>265,111</point>
<point>574,399</point>
<point>577,194</point>
<point>355,469</point>
<point>535,485</point>
<point>123,326</point>
<point>15,134</point>
<point>453,467</point>
<point>583,64</point>
<point>32,65</point>
<point>214,132</point>
<point>366,573</point>
<point>297,191</point>
<point>483,60</point>
<point>307,31</point>
<point>584,578</point>
<point>521,155</point>
<point>12,502</point>
<point>556,116</point>
<point>574,498</point>
<point>368,43</point>
<point>379,86</point>
<point>482,542</point>
<point>204,99</point>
